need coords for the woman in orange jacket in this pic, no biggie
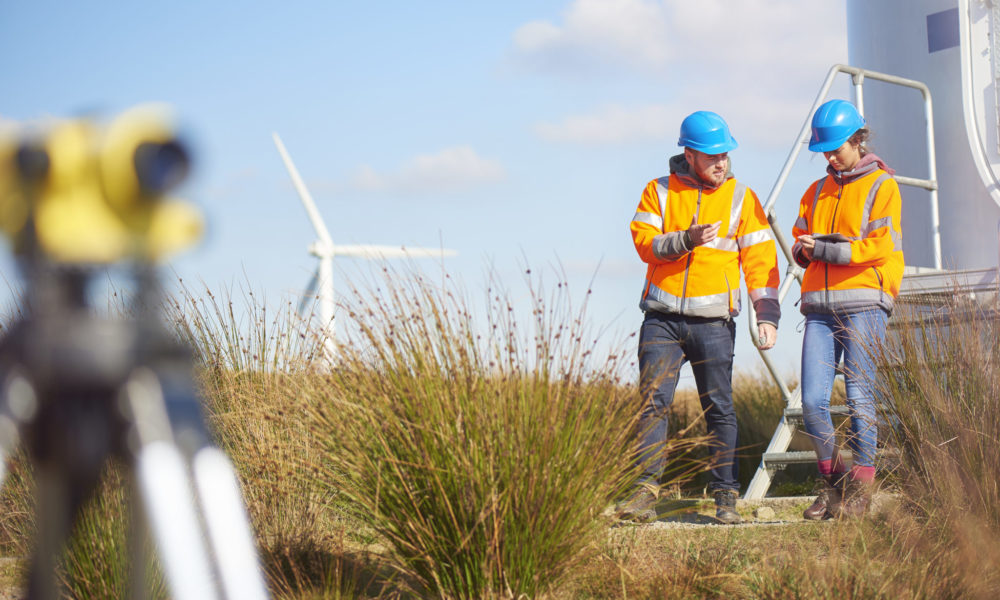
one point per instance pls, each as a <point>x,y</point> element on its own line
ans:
<point>848,239</point>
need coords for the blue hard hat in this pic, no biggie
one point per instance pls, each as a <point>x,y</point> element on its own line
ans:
<point>834,122</point>
<point>706,132</point>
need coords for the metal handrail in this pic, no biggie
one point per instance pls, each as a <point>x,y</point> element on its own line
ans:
<point>783,433</point>
<point>858,76</point>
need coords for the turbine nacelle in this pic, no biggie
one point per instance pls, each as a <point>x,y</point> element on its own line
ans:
<point>321,249</point>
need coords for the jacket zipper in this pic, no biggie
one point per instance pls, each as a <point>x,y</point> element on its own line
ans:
<point>652,274</point>
<point>729,293</point>
<point>833,224</point>
<point>881,289</point>
<point>687,266</point>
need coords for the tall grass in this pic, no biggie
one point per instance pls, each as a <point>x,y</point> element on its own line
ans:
<point>17,526</point>
<point>253,360</point>
<point>482,453</point>
<point>98,561</point>
<point>241,333</point>
<point>245,353</point>
<point>943,380</point>
<point>759,406</point>
<point>460,453</point>
<point>941,374</point>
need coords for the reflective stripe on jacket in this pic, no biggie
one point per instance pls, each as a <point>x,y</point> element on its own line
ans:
<point>705,281</point>
<point>862,267</point>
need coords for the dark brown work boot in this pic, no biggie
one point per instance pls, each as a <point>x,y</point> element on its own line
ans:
<point>857,498</point>
<point>725,507</point>
<point>829,496</point>
<point>639,507</point>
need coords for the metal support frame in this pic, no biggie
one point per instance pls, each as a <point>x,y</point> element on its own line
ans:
<point>776,455</point>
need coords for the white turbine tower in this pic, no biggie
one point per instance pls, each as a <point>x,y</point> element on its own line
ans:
<point>324,249</point>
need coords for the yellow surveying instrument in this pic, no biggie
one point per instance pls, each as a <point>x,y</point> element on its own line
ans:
<point>77,388</point>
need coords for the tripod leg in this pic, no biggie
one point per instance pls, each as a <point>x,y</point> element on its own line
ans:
<point>8,441</point>
<point>54,507</point>
<point>18,406</point>
<point>167,415</point>
<point>228,525</point>
<point>170,510</point>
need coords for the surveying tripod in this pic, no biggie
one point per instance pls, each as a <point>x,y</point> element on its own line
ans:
<point>77,388</point>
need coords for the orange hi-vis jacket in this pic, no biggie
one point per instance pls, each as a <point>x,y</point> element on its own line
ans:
<point>704,281</point>
<point>857,263</point>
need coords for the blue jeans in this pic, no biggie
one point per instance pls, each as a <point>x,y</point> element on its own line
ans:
<point>666,341</point>
<point>827,338</point>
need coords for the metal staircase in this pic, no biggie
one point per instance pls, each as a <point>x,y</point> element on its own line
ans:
<point>777,456</point>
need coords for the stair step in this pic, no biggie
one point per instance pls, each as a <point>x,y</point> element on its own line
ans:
<point>780,460</point>
<point>796,413</point>
<point>783,459</point>
<point>836,411</point>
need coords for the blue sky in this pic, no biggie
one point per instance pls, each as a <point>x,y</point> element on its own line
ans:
<point>513,132</point>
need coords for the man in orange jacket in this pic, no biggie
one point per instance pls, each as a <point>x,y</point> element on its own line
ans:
<point>694,229</point>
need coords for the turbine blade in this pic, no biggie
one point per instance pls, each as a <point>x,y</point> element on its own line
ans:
<point>309,296</point>
<point>300,187</point>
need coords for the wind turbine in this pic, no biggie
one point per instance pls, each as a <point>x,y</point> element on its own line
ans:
<point>325,250</point>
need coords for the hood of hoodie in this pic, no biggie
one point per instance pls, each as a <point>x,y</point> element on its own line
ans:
<point>868,163</point>
<point>680,167</point>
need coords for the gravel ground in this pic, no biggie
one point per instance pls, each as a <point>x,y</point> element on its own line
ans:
<point>9,588</point>
<point>675,514</point>
<point>769,512</point>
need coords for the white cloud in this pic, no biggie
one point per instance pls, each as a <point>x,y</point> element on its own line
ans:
<point>537,36</point>
<point>614,124</point>
<point>769,120</point>
<point>8,126</point>
<point>599,31</point>
<point>450,170</point>
<point>759,63</point>
<point>712,36</point>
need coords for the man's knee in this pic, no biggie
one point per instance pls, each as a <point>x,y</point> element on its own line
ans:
<point>814,402</point>
<point>718,403</point>
<point>658,390</point>
<point>657,406</point>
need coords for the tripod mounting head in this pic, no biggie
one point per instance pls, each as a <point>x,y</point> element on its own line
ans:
<point>85,193</point>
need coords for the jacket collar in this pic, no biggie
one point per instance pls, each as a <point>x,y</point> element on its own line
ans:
<point>868,164</point>
<point>679,166</point>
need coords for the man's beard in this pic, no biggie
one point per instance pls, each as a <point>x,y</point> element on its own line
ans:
<point>715,180</point>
